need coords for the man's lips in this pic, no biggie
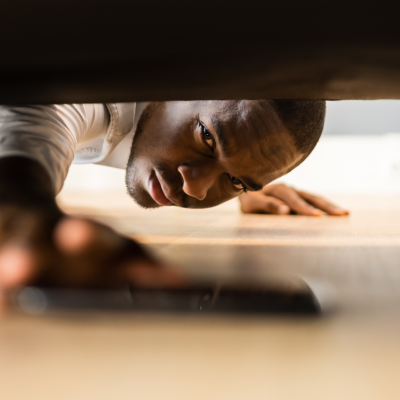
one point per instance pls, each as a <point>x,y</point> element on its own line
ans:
<point>156,191</point>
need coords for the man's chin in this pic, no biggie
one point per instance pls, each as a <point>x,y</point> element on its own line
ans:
<point>142,199</point>
<point>147,206</point>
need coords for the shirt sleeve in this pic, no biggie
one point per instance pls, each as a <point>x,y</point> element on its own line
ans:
<point>48,134</point>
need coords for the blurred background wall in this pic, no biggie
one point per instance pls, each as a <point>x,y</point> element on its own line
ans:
<point>359,152</point>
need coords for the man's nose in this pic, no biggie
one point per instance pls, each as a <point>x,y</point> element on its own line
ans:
<point>196,180</point>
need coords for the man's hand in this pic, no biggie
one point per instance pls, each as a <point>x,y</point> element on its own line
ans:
<point>40,245</point>
<point>75,252</point>
<point>281,199</point>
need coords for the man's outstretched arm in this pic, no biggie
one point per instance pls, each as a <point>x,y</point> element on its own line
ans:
<point>38,243</point>
<point>41,245</point>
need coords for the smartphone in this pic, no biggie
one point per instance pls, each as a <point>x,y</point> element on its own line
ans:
<point>294,297</point>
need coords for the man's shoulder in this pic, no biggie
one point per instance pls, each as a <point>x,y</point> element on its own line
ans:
<point>122,116</point>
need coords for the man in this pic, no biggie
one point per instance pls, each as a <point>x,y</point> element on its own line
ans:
<point>186,154</point>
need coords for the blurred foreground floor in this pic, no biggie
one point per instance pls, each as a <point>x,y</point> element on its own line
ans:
<point>351,352</point>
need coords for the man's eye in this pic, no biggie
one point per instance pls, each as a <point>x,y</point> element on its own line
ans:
<point>238,183</point>
<point>208,137</point>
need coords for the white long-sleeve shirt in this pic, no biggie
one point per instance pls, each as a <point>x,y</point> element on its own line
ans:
<point>58,135</point>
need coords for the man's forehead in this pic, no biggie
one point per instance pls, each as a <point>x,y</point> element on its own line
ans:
<point>263,137</point>
<point>254,141</point>
<point>258,155</point>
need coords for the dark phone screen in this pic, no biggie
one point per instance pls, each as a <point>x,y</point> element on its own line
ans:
<point>212,298</point>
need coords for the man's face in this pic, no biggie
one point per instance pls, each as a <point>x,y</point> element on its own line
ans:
<point>201,154</point>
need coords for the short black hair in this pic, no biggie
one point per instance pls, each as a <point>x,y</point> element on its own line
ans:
<point>304,120</point>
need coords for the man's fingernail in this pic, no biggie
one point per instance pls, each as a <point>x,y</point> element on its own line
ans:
<point>283,209</point>
<point>317,213</point>
<point>341,210</point>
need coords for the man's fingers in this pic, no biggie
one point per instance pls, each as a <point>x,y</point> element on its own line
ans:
<point>272,205</point>
<point>322,204</point>
<point>294,201</point>
<point>17,265</point>
<point>259,203</point>
<point>95,255</point>
<point>75,236</point>
<point>281,199</point>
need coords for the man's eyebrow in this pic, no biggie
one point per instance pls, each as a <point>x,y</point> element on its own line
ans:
<point>218,126</point>
<point>251,184</point>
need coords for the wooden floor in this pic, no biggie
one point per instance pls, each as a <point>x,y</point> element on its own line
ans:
<point>351,352</point>
<point>356,257</point>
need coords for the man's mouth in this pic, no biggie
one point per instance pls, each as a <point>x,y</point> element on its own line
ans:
<point>156,191</point>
